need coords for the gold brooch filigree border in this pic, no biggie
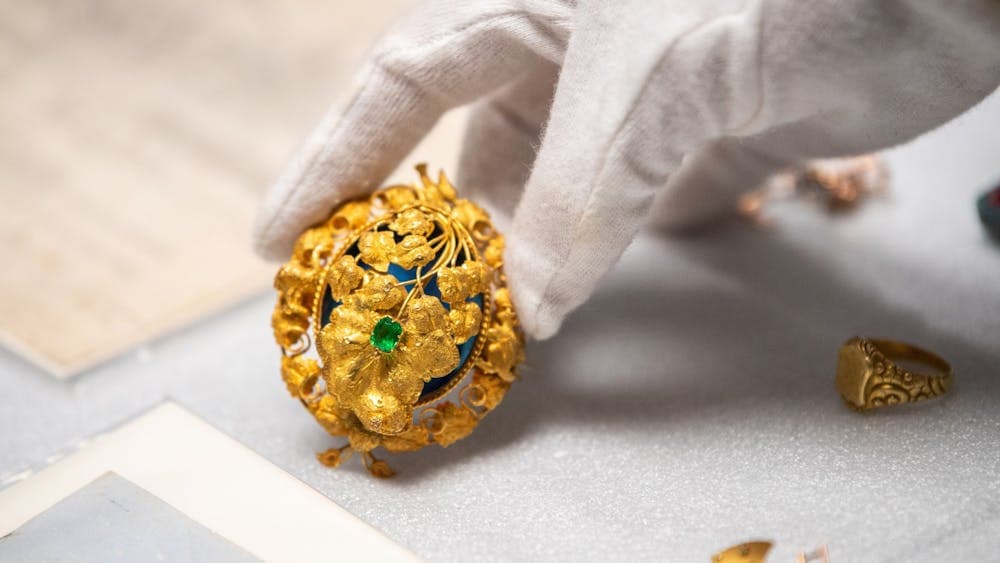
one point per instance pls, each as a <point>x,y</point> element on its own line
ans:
<point>363,371</point>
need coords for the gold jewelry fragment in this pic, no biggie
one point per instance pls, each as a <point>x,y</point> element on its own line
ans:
<point>416,339</point>
<point>840,184</point>
<point>819,555</point>
<point>749,552</point>
<point>869,375</point>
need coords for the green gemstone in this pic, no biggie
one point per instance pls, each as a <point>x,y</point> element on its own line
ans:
<point>385,335</point>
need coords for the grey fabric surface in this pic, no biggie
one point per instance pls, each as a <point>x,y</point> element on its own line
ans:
<point>110,520</point>
<point>687,407</point>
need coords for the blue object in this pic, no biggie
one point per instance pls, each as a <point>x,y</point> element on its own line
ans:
<point>989,211</point>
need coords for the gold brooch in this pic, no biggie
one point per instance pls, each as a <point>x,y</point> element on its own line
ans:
<point>869,374</point>
<point>415,335</point>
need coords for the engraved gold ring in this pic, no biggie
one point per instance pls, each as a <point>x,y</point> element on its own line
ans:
<point>873,373</point>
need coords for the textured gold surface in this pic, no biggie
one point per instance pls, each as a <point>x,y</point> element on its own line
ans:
<point>373,397</point>
<point>868,376</point>
<point>750,552</point>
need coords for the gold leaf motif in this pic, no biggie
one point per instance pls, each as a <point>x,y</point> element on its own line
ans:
<point>475,275</point>
<point>425,314</point>
<point>457,283</point>
<point>380,292</point>
<point>380,469</point>
<point>331,457</point>
<point>300,375</point>
<point>344,276</point>
<point>329,414</point>
<point>413,251</point>
<point>468,213</point>
<point>412,221</point>
<point>493,387</point>
<point>312,246</point>
<point>360,439</point>
<point>288,327</point>
<point>351,216</point>
<point>395,197</point>
<point>465,319</point>
<point>376,249</point>
<point>427,348</point>
<point>455,422</point>
<point>424,357</point>
<point>493,255</point>
<point>411,440</point>
<point>439,193</point>
<point>501,298</point>
<point>503,352</point>
<point>380,388</point>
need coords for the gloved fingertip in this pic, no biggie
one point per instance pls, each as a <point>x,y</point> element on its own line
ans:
<point>527,283</point>
<point>268,243</point>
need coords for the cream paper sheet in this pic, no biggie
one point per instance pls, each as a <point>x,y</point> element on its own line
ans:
<point>137,138</point>
<point>215,481</point>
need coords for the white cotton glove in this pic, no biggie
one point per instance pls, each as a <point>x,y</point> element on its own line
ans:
<point>624,90</point>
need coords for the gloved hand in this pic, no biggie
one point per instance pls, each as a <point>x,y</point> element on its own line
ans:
<point>623,91</point>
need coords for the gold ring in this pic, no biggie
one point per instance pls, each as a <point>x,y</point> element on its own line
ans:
<point>869,374</point>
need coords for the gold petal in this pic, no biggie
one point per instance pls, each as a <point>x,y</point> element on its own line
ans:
<point>494,252</point>
<point>501,298</point>
<point>457,283</point>
<point>456,422</point>
<point>299,374</point>
<point>343,276</point>
<point>494,388</point>
<point>412,221</point>
<point>351,216</point>
<point>413,251</point>
<point>330,415</point>
<point>451,284</point>
<point>376,248</point>
<point>360,439</point>
<point>475,275</point>
<point>468,213</point>
<point>423,315</point>
<point>312,246</point>
<point>465,319</point>
<point>411,440</point>
<point>343,344</point>
<point>382,407</point>
<point>503,352</point>
<point>421,357</point>
<point>379,292</point>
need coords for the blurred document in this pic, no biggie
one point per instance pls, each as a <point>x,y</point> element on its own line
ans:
<point>136,139</point>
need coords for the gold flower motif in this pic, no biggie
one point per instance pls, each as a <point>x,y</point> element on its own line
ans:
<point>412,221</point>
<point>376,249</point>
<point>458,283</point>
<point>385,339</point>
<point>380,388</point>
<point>413,251</point>
<point>503,353</point>
<point>300,375</point>
<point>379,292</point>
<point>494,252</point>
<point>465,319</point>
<point>454,422</point>
<point>343,276</point>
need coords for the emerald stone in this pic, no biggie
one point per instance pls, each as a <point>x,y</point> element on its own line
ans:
<point>385,335</point>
